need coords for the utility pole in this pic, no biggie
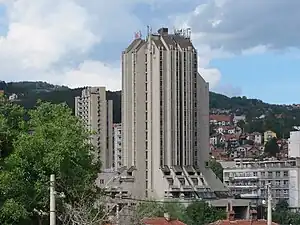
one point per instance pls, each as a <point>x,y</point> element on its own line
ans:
<point>52,200</point>
<point>118,209</point>
<point>269,204</point>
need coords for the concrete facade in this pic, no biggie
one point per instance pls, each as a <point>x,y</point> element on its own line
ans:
<point>118,153</point>
<point>248,178</point>
<point>294,144</point>
<point>97,114</point>
<point>165,119</point>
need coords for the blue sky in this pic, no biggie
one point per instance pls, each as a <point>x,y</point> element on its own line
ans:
<point>272,77</point>
<point>244,46</point>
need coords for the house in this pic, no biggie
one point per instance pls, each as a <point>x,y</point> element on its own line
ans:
<point>166,220</point>
<point>220,120</point>
<point>225,130</point>
<point>219,154</point>
<point>268,135</point>
<point>215,139</point>
<point>253,220</point>
<point>236,118</point>
<point>261,117</point>
<point>256,137</point>
<point>13,97</point>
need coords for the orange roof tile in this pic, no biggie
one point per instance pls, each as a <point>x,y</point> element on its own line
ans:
<point>220,118</point>
<point>161,221</point>
<point>241,222</point>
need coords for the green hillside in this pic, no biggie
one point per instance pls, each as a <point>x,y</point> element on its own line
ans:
<point>279,118</point>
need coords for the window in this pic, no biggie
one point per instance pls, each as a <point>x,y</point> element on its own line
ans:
<point>277,173</point>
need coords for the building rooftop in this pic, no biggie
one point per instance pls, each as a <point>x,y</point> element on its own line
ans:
<point>241,222</point>
<point>162,221</point>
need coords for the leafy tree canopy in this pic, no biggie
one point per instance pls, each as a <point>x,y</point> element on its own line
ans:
<point>51,141</point>
<point>217,168</point>
<point>197,213</point>
<point>283,215</point>
<point>272,148</point>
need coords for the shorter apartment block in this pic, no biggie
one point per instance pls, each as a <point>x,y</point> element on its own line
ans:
<point>248,178</point>
<point>97,115</point>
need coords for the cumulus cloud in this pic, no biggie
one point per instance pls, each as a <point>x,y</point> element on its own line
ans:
<point>222,28</point>
<point>240,25</point>
<point>52,40</point>
<point>47,39</point>
<point>93,72</point>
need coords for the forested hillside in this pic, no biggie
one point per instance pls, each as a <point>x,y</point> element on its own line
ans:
<point>280,118</point>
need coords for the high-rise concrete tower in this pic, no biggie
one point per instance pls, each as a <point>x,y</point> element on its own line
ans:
<point>165,115</point>
<point>97,114</point>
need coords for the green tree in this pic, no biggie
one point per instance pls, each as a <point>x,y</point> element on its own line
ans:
<point>271,147</point>
<point>217,168</point>
<point>11,124</point>
<point>283,215</point>
<point>200,213</point>
<point>176,210</point>
<point>51,141</point>
<point>241,124</point>
<point>197,213</point>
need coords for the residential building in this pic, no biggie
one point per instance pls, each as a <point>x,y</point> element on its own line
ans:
<point>215,139</point>
<point>165,119</point>
<point>256,137</point>
<point>166,220</point>
<point>117,153</point>
<point>13,97</point>
<point>294,144</point>
<point>251,220</point>
<point>220,120</point>
<point>97,114</point>
<point>225,130</point>
<point>268,135</point>
<point>248,179</point>
<point>237,118</point>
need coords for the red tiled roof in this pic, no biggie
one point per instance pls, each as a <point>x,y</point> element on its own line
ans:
<point>220,118</point>
<point>161,221</point>
<point>228,137</point>
<point>241,222</point>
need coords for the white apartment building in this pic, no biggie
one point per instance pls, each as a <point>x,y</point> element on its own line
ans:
<point>117,146</point>
<point>294,144</point>
<point>165,120</point>
<point>97,114</point>
<point>248,178</point>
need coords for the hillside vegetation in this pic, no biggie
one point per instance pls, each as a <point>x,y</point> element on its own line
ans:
<point>279,118</point>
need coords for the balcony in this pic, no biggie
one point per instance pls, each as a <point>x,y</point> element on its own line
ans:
<point>174,188</point>
<point>127,179</point>
<point>186,187</point>
<point>250,195</point>
<point>245,178</point>
<point>236,186</point>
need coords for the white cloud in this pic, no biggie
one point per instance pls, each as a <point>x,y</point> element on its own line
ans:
<point>211,75</point>
<point>93,73</point>
<point>52,39</point>
<point>223,28</point>
<point>45,38</point>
